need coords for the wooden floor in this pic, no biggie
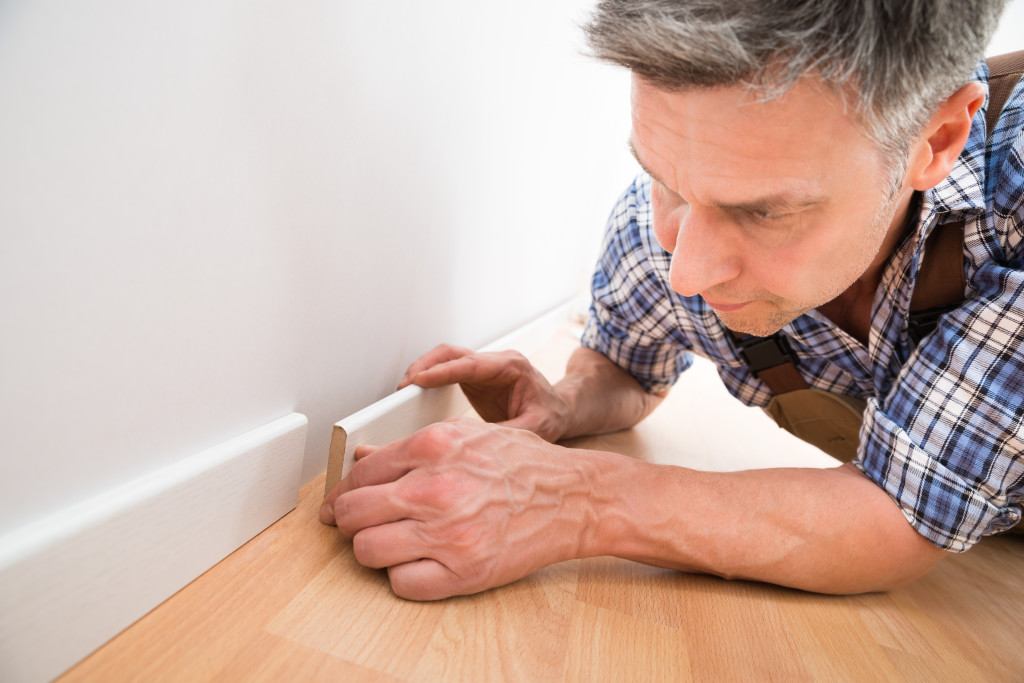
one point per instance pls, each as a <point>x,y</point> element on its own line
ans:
<point>293,605</point>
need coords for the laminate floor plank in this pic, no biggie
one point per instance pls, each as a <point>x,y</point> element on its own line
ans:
<point>612,646</point>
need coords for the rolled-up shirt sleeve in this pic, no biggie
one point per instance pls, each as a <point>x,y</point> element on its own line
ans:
<point>948,442</point>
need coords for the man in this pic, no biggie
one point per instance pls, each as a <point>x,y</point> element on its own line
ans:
<point>797,156</point>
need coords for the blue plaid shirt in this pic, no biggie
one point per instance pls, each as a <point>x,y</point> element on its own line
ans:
<point>942,432</point>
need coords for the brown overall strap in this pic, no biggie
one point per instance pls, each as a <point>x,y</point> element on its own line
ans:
<point>1004,72</point>
<point>941,285</point>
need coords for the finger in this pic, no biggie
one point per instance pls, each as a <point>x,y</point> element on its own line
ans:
<point>391,465</point>
<point>327,507</point>
<point>480,367</point>
<point>439,354</point>
<point>367,507</point>
<point>327,513</point>
<point>363,450</point>
<point>424,579</point>
<point>386,545</point>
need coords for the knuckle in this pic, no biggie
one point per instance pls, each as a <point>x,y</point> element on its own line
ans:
<point>434,439</point>
<point>362,548</point>
<point>344,518</point>
<point>341,510</point>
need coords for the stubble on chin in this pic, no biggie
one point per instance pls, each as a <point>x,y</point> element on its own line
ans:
<point>766,315</point>
<point>758,326</point>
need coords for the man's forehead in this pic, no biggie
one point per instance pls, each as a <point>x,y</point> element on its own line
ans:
<point>788,149</point>
<point>737,118</point>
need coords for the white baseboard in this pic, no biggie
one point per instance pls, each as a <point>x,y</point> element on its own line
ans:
<point>400,414</point>
<point>74,580</point>
<point>534,334</point>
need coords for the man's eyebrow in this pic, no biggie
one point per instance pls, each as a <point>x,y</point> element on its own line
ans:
<point>632,150</point>
<point>774,203</point>
<point>771,203</point>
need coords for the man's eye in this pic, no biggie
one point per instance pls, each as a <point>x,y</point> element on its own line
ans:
<point>769,216</point>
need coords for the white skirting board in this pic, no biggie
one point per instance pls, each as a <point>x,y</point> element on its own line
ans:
<point>403,412</point>
<point>74,580</point>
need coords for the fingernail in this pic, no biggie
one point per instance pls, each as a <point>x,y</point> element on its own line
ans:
<point>326,510</point>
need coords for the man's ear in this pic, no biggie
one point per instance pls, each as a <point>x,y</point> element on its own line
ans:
<point>944,137</point>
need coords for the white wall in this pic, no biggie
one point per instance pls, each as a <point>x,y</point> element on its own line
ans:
<point>1010,36</point>
<point>216,213</point>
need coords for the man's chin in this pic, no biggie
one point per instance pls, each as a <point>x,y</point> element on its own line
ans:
<point>756,325</point>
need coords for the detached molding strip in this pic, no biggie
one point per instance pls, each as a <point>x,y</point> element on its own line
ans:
<point>74,580</point>
<point>400,414</point>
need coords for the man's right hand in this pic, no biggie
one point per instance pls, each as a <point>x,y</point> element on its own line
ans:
<point>502,387</point>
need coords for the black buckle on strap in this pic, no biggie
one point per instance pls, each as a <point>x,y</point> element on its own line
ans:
<point>921,323</point>
<point>761,353</point>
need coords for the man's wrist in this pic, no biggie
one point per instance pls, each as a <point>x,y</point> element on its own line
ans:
<point>565,421</point>
<point>600,475</point>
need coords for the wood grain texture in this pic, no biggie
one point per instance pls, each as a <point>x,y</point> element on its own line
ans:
<point>293,604</point>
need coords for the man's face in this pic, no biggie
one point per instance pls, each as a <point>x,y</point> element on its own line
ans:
<point>770,209</point>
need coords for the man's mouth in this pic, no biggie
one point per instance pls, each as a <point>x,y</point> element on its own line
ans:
<point>724,307</point>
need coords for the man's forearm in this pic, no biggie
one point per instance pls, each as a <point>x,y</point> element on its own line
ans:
<point>601,396</point>
<point>830,530</point>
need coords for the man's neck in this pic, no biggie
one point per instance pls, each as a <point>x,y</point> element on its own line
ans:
<point>851,310</point>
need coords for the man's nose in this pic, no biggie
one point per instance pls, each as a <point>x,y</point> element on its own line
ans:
<point>704,255</point>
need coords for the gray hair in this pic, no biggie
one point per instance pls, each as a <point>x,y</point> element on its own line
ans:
<point>901,58</point>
